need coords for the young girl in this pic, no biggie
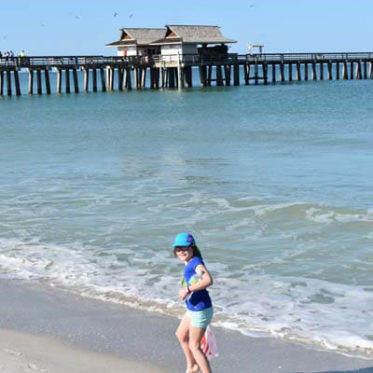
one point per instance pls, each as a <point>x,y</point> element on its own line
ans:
<point>197,300</point>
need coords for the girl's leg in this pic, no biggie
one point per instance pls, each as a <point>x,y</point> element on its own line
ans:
<point>195,336</point>
<point>182,334</point>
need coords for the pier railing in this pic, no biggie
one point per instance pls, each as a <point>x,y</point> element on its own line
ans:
<point>171,71</point>
<point>188,59</point>
<point>71,61</point>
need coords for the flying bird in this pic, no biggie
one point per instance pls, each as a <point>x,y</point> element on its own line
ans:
<point>115,14</point>
<point>130,16</point>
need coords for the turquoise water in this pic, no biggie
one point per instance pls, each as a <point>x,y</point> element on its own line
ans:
<point>275,182</point>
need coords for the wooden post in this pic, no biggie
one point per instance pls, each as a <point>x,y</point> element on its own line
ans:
<point>321,66</point>
<point>163,77</point>
<point>167,78</point>
<point>370,69</point>
<point>345,70</point>
<point>172,77</point>
<point>139,77</point>
<point>265,72</point>
<point>256,72</point>
<point>359,68</point>
<point>94,79</point>
<point>38,81</point>
<point>158,73</point>
<point>9,82</point>
<point>227,74</point>
<point>338,72</point>
<point>67,80</point>
<point>352,73</point>
<point>330,70</point>
<point>85,79</point>
<point>47,81</point>
<point>16,83</point>
<point>152,77</point>
<point>124,78</point>
<point>103,82</point>
<point>290,72</point>
<point>112,78</point>
<point>190,77</point>
<point>108,78</point>
<point>30,81</point>
<point>365,70</point>
<point>219,75</point>
<point>143,78</point>
<point>120,78</point>
<point>58,81</point>
<point>135,78</point>
<point>202,75</point>
<point>128,79</point>
<point>356,70</point>
<point>75,79</point>
<point>209,75</point>
<point>306,71</point>
<point>273,73</point>
<point>180,80</point>
<point>236,75</point>
<point>282,73</point>
<point>246,71</point>
<point>1,82</point>
<point>314,75</point>
<point>298,77</point>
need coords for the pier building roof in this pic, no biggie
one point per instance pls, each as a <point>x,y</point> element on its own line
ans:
<point>193,34</point>
<point>138,36</point>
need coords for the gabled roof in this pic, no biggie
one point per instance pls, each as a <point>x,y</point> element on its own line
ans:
<point>193,34</point>
<point>138,36</point>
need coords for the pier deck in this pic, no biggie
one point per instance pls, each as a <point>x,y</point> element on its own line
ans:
<point>175,71</point>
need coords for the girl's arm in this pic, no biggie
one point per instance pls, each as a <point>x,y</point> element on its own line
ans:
<point>205,281</point>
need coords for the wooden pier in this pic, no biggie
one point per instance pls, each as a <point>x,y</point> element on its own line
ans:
<point>160,71</point>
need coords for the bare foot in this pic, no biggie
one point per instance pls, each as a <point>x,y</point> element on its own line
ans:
<point>193,369</point>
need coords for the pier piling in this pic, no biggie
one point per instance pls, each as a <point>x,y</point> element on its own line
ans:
<point>47,81</point>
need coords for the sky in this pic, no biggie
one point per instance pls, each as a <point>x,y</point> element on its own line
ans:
<point>84,27</point>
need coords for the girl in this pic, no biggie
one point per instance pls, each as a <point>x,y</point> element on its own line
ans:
<point>197,300</point>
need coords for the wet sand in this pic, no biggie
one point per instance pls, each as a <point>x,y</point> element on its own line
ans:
<point>44,329</point>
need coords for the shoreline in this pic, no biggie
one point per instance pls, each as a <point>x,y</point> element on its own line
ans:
<point>130,339</point>
<point>21,352</point>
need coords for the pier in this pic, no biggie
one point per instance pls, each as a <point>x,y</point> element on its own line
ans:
<point>177,71</point>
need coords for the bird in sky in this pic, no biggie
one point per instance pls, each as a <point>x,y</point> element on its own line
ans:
<point>115,14</point>
<point>130,16</point>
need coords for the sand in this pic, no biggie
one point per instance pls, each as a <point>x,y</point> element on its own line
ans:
<point>43,329</point>
<point>20,352</point>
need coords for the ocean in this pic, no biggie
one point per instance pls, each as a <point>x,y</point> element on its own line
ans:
<point>275,182</point>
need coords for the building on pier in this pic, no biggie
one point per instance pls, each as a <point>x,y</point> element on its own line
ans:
<point>172,41</point>
<point>184,40</point>
<point>137,41</point>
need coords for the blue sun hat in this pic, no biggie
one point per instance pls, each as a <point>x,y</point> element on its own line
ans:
<point>183,239</point>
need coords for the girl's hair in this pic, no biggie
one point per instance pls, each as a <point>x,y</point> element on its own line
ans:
<point>196,251</point>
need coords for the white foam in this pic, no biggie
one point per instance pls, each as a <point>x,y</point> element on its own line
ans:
<point>247,298</point>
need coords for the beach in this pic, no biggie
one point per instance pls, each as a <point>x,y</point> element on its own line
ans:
<point>44,329</point>
<point>274,182</point>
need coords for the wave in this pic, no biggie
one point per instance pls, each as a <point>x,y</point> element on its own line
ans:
<point>307,310</point>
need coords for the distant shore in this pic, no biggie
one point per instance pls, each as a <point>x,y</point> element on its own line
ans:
<point>48,330</point>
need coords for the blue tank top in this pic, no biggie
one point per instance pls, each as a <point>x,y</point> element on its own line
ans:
<point>198,300</point>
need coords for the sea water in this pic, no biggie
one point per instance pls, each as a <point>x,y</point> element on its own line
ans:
<point>275,182</point>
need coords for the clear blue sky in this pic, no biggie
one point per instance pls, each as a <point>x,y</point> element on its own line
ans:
<point>84,27</point>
